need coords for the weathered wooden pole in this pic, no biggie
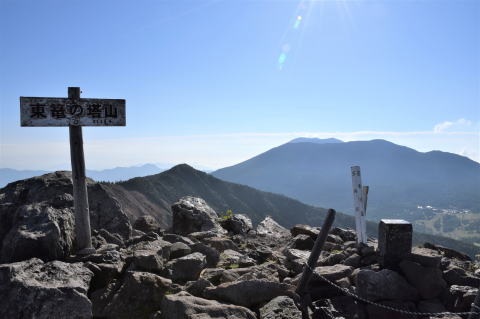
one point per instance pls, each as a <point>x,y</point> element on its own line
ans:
<point>83,235</point>
<point>312,262</point>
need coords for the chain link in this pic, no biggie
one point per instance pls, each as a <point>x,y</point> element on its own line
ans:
<point>413,313</point>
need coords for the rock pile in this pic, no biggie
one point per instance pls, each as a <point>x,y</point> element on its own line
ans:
<point>208,268</point>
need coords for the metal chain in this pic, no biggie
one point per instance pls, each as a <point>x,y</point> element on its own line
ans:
<point>351,294</point>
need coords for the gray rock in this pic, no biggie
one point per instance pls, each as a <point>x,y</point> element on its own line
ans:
<point>448,252</point>
<point>433,305</point>
<point>229,258</point>
<point>345,234</point>
<point>161,247</point>
<point>103,273</point>
<point>173,238</point>
<point>185,306</point>
<point>138,295</point>
<point>385,284</point>
<point>333,259</point>
<point>146,260</point>
<point>200,235</point>
<point>198,286</point>
<point>146,224</point>
<point>247,293</point>
<point>293,254</point>
<point>334,239</point>
<point>192,214</point>
<point>106,211</point>
<point>457,276</point>
<point>381,313</point>
<point>269,271</point>
<point>36,216</point>
<point>303,242</point>
<point>33,289</point>
<point>334,272</point>
<point>187,268</point>
<point>353,261</point>
<point>281,307</point>
<point>179,249</point>
<point>213,256</point>
<point>111,238</point>
<point>237,224</point>
<point>39,230</point>
<point>427,280</point>
<point>301,229</point>
<point>426,257</point>
<point>269,227</point>
<point>220,243</point>
<point>461,298</point>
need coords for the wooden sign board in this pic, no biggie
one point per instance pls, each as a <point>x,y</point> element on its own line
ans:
<point>52,111</point>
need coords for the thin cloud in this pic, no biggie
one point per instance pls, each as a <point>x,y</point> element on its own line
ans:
<point>460,123</point>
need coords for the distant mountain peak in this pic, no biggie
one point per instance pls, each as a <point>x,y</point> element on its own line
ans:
<point>315,140</point>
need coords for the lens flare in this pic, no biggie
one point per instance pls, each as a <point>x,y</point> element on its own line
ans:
<point>297,22</point>
<point>294,32</point>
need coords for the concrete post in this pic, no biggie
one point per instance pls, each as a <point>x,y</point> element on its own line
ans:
<point>394,241</point>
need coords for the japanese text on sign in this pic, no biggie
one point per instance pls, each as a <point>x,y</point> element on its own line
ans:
<point>39,111</point>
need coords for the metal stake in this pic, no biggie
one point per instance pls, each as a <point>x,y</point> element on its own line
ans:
<point>312,262</point>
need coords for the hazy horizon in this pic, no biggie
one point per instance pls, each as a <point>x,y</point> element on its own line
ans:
<point>168,165</point>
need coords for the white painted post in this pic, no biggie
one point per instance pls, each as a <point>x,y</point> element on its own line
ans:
<point>359,205</point>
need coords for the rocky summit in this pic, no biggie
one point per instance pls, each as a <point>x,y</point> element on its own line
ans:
<point>202,265</point>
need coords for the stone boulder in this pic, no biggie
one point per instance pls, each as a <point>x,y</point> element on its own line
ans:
<point>247,293</point>
<point>448,252</point>
<point>106,211</point>
<point>37,216</point>
<point>427,280</point>
<point>378,312</point>
<point>385,284</point>
<point>269,227</point>
<point>454,275</point>
<point>281,307</point>
<point>334,272</point>
<point>53,290</point>
<point>179,249</point>
<point>192,214</point>
<point>187,268</point>
<point>301,229</point>
<point>237,224</point>
<point>38,230</point>
<point>220,243</point>
<point>137,295</point>
<point>303,242</point>
<point>146,260</point>
<point>185,306</point>
<point>461,298</point>
<point>426,257</point>
<point>146,224</point>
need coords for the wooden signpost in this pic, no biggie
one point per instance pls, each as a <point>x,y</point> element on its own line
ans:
<point>74,112</point>
<point>360,204</point>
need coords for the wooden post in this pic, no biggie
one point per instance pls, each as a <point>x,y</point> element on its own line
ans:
<point>359,205</point>
<point>82,218</point>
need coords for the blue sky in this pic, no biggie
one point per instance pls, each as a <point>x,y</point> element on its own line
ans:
<point>204,83</point>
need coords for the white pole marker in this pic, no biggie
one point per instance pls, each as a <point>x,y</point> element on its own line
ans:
<point>359,205</point>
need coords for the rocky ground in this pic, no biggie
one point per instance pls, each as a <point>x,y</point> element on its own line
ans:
<point>203,267</point>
